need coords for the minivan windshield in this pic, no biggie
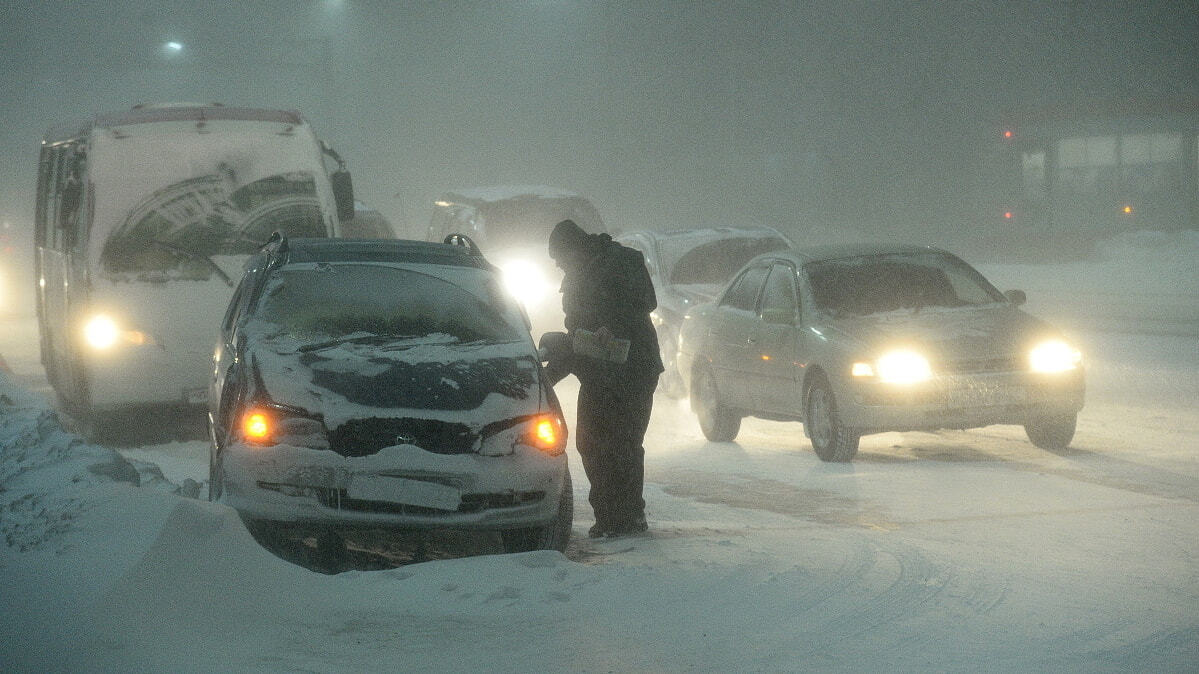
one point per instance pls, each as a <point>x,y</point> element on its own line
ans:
<point>714,261</point>
<point>871,284</point>
<point>334,303</point>
<point>529,220</point>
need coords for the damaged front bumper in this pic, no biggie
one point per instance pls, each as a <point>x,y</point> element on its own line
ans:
<point>398,487</point>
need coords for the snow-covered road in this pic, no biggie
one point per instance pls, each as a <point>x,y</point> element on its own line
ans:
<point>962,550</point>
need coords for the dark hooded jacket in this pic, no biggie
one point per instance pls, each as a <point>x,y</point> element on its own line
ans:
<point>607,285</point>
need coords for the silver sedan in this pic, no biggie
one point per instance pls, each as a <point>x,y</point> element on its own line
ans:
<point>862,339</point>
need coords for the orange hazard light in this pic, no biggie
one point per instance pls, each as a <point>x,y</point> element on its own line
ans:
<point>548,434</point>
<point>256,426</point>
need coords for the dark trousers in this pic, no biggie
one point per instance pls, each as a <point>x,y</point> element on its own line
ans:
<point>609,433</point>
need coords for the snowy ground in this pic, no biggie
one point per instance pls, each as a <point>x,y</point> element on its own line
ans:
<point>931,552</point>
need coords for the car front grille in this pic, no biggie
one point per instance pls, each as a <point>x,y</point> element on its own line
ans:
<point>471,503</point>
<point>363,437</point>
<point>983,365</point>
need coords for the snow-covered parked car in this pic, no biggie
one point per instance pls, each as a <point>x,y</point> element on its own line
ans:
<point>862,339</point>
<point>385,384</point>
<point>689,267</point>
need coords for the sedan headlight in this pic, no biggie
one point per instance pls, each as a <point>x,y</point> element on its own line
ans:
<point>1054,355</point>
<point>895,367</point>
<point>526,281</point>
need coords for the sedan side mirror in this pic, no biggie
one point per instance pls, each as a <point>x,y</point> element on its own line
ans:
<point>1016,297</point>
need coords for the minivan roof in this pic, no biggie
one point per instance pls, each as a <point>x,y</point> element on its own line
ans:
<point>401,251</point>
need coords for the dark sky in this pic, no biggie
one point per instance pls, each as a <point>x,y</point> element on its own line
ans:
<point>667,114</point>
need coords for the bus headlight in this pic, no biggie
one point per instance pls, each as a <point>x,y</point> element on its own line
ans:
<point>526,281</point>
<point>1053,355</point>
<point>101,332</point>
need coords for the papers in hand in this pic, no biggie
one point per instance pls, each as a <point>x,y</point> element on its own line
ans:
<point>600,344</point>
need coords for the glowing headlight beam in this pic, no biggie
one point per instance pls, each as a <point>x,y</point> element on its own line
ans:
<point>101,332</point>
<point>525,281</point>
<point>1053,355</point>
<point>903,367</point>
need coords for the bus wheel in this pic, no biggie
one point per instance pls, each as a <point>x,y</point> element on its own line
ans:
<point>78,401</point>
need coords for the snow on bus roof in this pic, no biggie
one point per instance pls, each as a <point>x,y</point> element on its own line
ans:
<point>502,192</point>
<point>167,112</point>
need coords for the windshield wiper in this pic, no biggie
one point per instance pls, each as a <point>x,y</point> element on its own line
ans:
<point>352,339</point>
<point>194,255</point>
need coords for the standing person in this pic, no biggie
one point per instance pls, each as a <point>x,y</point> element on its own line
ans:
<point>607,296</point>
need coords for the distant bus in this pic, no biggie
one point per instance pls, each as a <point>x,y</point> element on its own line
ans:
<point>1095,170</point>
<point>144,219</point>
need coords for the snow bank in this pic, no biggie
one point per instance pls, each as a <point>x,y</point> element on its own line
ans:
<point>44,469</point>
<point>70,515</point>
<point>1139,281</point>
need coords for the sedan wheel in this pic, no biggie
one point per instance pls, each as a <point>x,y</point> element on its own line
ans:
<point>718,423</point>
<point>1052,433</point>
<point>831,440</point>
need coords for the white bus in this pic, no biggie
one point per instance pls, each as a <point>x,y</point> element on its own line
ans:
<point>144,220</point>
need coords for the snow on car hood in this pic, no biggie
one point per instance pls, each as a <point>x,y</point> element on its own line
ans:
<point>953,333</point>
<point>434,377</point>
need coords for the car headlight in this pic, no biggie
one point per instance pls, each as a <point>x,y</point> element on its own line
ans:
<point>895,367</point>
<point>526,281</point>
<point>264,425</point>
<point>1053,355</point>
<point>546,432</point>
<point>102,332</point>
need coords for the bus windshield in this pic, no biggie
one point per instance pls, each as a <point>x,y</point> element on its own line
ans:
<point>176,231</point>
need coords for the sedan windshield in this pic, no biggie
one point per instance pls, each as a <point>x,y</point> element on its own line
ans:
<point>871,284</point>
<point>328,304</point>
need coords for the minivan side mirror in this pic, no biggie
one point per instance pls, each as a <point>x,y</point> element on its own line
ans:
<point>343,194</point>
<point>1016,297</point>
